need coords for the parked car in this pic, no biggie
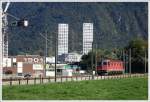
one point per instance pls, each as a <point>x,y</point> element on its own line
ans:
<point>27,75</point>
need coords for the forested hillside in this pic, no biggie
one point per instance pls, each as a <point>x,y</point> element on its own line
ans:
<point>115,24</point>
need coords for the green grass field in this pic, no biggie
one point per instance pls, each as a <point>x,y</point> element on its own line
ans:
<point>115,89</point>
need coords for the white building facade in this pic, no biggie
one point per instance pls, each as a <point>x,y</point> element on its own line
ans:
<point>63,39</point>
<point>73,57</point>
<point>87,37</point>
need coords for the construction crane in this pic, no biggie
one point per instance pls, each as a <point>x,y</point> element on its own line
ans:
<point>19,22</point>
<point>4,30</point>
<point>3,35</point>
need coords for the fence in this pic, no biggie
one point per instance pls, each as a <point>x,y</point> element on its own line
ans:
<point>27,81</point>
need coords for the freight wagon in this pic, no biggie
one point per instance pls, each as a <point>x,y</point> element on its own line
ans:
<point>106,67</point>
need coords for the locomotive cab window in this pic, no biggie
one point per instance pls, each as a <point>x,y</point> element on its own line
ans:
<point>99,63</point>
<point>104,63</point>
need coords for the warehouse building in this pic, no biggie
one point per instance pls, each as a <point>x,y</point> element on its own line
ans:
<point>23,64</point>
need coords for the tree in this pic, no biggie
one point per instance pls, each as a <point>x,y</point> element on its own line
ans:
<point>86,61</point>
<point>139,48</point>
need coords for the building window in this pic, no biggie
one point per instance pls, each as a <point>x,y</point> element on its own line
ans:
<point>14,64</point>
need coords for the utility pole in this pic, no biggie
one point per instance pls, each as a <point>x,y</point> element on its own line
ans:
<point>124,60</point>
<point>130,60</point>
<point>45,53</point>
<point>92,61</point>
<point>1,46</point>
<point>145,60</point>
<point>55,57</point>
<point>44,64</point>
<point>96,59</point>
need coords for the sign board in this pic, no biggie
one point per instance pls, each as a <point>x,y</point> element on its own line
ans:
<point>33,60</point>
<point>50,73</point>
<point>67,72</point>
<point>47,66</point>
<point>14,60</point>
<point>19,70</point>
<point>50,59</point>
<point>37,67</point>
<point>81,71</point>
<point>6,62</point>
<point>93,72</point>
<point>19,64</point>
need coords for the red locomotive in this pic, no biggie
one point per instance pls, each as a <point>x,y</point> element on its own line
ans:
<point>110,67</point>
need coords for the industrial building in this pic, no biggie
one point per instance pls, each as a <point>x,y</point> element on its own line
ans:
<point>87,37</point>
<point>23,64</point>
<point>73,57</point>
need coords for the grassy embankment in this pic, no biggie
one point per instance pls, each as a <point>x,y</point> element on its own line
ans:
<point>115,89</point>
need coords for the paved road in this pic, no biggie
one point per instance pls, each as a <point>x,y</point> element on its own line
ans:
<point>65,79</point>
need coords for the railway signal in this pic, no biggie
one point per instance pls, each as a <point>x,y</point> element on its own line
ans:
<point>22,23</point>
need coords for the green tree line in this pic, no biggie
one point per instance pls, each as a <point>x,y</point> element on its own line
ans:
<point>139,56</point>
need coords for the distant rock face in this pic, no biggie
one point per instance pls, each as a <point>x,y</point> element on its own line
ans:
<point>114,24</point>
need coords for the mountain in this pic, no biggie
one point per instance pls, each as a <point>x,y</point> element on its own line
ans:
<point>115,24</point>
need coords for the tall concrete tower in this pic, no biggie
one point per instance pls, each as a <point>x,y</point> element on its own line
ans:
<point>87,37</point>
<point>62,39</point>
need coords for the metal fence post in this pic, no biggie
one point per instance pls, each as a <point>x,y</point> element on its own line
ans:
<point>19,81</point>
<point>27,81</point>
<point>10,81</point>
<point>71,78</point>
<point>34,81</point>
<point>48,79</point>
<point>42,79</point>
<point>61,79</point>
<point>66,79</point>
<point>76,78</point>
